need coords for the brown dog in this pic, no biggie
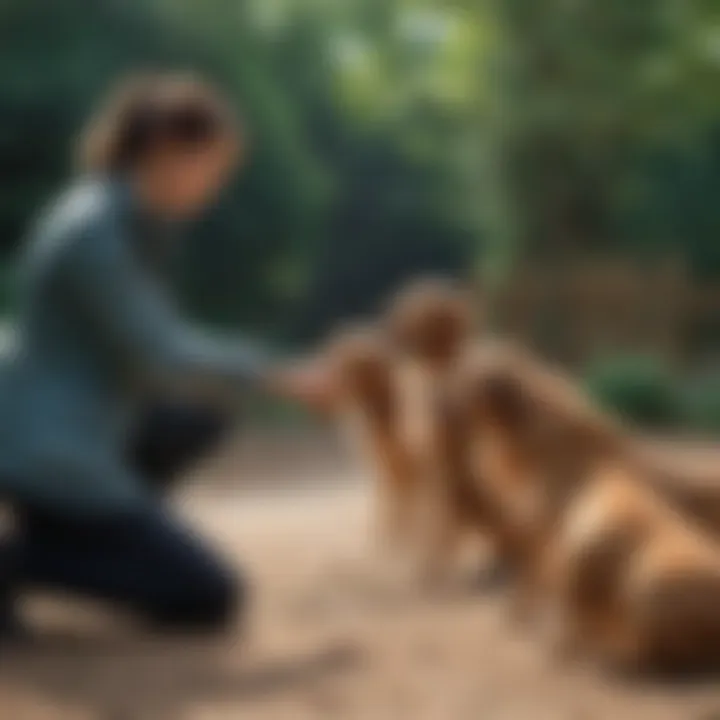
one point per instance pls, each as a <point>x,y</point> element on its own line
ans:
<point>530,435</point>
<point>430,323</point>
<point>689,478</point>
<point>637,582</point>
<point>363,367</point>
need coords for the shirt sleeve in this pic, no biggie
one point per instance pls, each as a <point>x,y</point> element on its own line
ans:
<point>133,316</point>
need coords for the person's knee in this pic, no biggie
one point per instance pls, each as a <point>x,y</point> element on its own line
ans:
<point>211,600</point>
<point>195,436</point>
<point>221,601</point>
<point>173,439</point>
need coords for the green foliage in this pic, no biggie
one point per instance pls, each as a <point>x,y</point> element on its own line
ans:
<point>701,405</point>
<point>352,182</point>
<point>592,95</point>
<point>640,388</point>
<point>393,137</point>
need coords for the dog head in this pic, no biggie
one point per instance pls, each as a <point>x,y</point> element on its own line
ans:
<point>431,320</point>
<point>532,415</point>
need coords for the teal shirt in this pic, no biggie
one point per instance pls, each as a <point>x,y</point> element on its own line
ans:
<point>96,336</point>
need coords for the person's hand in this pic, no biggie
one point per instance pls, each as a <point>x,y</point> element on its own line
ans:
<point>308,382</point>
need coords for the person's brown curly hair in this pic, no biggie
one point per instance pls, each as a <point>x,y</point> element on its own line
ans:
<point>146,111</point>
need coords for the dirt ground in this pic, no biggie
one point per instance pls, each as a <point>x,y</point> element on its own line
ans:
<point>324,639</point>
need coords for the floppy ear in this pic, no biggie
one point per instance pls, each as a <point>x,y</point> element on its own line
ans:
<point>506,401</point>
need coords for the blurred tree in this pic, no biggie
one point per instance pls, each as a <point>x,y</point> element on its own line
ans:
<point>585,90</point>
<point>390,105</point>
<point>394,137</point>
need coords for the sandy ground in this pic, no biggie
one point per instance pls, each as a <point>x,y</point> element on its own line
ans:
<point>326,638</point>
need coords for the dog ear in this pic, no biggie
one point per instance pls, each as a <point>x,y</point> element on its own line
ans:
<point>505,400</point>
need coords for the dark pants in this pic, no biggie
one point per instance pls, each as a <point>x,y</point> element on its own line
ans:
<point>147,562</point>
<point>170,438</point>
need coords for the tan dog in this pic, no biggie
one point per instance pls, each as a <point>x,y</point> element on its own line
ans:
<point>430,324</point>
<point>689,478</point>
<point>638,584</point>
<point>362,365</point>
<point>527,450</point>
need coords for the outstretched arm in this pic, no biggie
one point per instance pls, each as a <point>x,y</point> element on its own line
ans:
<point>133,317</point>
